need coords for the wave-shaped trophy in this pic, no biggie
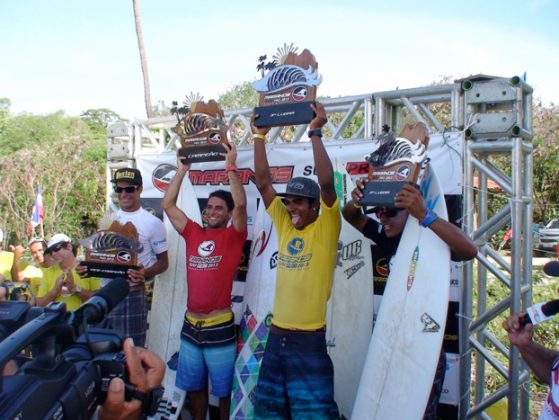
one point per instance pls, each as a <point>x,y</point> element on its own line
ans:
<point>397,161</point>
<point>288,89</point>
<point>112,250</point>
<point>202,131</point>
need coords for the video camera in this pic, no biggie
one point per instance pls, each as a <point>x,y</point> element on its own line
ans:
<point>63,367</point>
<point>14,291</point>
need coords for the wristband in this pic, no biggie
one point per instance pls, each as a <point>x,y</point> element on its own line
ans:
<point>315,132</point>
<point>259,136</point>
<point>430,217</point>
<point>357,205</point>
<point>231,168</point>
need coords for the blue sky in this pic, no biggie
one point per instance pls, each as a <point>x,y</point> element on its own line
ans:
<point>74,55</point>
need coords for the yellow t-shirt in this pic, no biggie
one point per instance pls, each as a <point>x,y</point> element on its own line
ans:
<point>34,275</point>
<point>73,302</point>
<point>305,271</point>
<point>6,263</point>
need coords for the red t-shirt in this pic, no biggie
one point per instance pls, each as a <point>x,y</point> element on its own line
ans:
<point>212,259</point>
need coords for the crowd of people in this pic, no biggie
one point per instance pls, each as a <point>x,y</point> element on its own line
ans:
<point>296,377</point>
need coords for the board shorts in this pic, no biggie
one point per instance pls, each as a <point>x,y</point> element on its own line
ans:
<point>130,317</point>
<point>207,347</point>
<point>296,377</point>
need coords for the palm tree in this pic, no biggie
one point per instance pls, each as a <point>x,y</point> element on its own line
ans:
<point>143,57</point>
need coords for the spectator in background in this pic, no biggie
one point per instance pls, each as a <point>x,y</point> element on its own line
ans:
<point>61,282</point>
<point>9,261</point>
<point>33,273</point>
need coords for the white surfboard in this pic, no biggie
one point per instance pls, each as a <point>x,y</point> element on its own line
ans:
<point>169,304</point>
<point>407,338</point>
<point>257,310</point>
<point>349,321</point>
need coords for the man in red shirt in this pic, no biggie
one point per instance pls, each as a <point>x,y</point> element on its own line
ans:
<point>213,254</point>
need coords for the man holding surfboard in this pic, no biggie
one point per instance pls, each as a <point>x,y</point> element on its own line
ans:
<point>213,254</point>
<point>296,377</point>
<point>387,232</point>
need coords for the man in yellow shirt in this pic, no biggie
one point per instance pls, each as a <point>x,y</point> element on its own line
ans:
<point>297,376</point>
<point>32,274</point>
<point>9,261</point>
<point>61,282</point>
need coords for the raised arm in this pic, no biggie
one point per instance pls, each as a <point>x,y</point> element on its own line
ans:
<point>261,167</point>
<point>352,211</point>
<point>237,189</point>
<point>169,202</point>
<point>322,162</point>
<point>461,246</point>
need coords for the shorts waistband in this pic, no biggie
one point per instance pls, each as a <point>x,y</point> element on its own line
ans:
<point>208,322</point>
<point>278,330</point>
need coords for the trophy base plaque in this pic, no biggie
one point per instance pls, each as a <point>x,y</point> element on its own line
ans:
<point>107,270</point>
<point>204,153</point>
<point>380,194</point>
<point>294,113</point>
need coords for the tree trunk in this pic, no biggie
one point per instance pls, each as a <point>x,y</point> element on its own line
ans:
<point>143,58</point>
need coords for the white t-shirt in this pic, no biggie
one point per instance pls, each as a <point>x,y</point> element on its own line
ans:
<point>151,232</point>
<point>550,409</point>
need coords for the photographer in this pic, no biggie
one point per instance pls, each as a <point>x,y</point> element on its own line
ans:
<point>543,362</point>
<point>145,370</point>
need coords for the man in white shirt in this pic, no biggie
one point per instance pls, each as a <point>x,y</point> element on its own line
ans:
<point>130,316</point>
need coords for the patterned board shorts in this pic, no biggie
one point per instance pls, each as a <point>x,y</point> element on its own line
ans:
<point>130,317</point>
<point>207,350</point>
<point>296,378</point>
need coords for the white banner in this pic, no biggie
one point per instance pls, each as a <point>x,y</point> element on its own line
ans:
<point>295,159</point>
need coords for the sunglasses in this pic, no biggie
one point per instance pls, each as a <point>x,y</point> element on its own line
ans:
<point>56,248</point>
<point>388,212</point>
<point>129,189</point>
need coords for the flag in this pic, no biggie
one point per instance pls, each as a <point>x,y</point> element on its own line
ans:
<point>37,214</point>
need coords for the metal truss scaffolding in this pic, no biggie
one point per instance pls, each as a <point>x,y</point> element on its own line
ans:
<point>495,115</point>
<point>498,116</point>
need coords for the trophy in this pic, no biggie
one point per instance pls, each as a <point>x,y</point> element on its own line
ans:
<point>202,130</point>
<point>288,89</point>
<point>111,252</point>
<point>396,162</point>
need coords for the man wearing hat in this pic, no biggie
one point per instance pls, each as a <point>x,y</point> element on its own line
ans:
<point>297,376</point>
<point>130,316</point>
<point>543,362</point>
<point>386,234</point>
<point>61,282</point>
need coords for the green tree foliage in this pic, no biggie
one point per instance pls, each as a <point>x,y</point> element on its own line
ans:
<point>63,155</point>
<point>545,162</point>
<point>239,96</point>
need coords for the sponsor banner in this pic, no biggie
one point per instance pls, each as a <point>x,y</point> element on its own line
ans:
<point>450,341</point>
<point>451,386</point>
<point>455,277</point>
<point>291,160</point>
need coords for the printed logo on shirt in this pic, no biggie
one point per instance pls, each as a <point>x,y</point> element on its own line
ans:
<point>381,267</point>
<point>206,248</point>
<point>296,246</point>
<point>295,259</point>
